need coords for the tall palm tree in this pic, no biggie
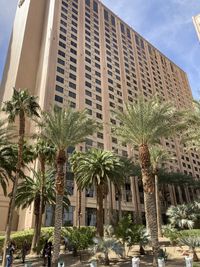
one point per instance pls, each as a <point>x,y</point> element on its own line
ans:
<point>6,166</point>
<point>98,168</point>
<point>159,156</point>
<point>64,128</point>
<point>191,137</point>
<point>23,105</point>
<point>142,125</point>
<point>30,191</point>
<point>46,155</point>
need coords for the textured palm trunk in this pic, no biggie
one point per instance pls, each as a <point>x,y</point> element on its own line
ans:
<point>99,190</point>
<point>107,260</point>
<point>79,208</point>
<point>106,210</point>
<point>149,199</point>
<point>120,204</point>
<point>158,207</point>
<point>15,184</point>
<point>110,204</point>
<point>60,188</point>
<point>41,210</point>
<point>195,257</point>
<point>36,232</point>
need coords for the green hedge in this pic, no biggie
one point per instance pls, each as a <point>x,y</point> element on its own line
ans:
<point>46,234</point>
<point>174,234</point>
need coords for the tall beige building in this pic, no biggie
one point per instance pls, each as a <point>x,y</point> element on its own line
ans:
<point>196,21</point>
<point>79,51</point>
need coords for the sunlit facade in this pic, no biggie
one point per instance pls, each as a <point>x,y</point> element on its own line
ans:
<point>79,51</point>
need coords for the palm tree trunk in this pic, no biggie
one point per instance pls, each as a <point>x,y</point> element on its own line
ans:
<point>120,204</point>
<point>195,257</point>
<point>60,188</point>
<point>15,184</point>
<point>106,210</point>
<point>36,229</point>
<point>79,208</point>
<point>41,209</point>
<point>107,261</point>
<point>110,203</point>
<point>149,198</point>
<point>100,210</point>
<point>158,207</point>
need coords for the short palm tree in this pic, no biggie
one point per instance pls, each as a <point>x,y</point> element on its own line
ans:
<point>64,128</point>
<point>21,105</point>
<point>192,242</point>
<point>143,124</point>
<point>30,191</point>
<point>46,155</point>
<point>106,245</point>
<point>96,167</point>
<point>159,156</point>
<point>182,216</point>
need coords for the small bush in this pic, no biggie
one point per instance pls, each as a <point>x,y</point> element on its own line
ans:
<point>80,238</point>
<point>171,233</point>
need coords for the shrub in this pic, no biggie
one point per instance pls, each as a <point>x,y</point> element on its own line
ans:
<point>171,233</point>
<point>80,238</point>
<point>46,234</point>
<point>131,234</point>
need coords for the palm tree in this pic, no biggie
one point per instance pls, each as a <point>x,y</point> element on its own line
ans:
<point>191,137</point>
<point>64,128</point>
<point>159,156</point>
<point>182,216</point>
<point>6,166</point>
<point>143,124</point>
<point>45,154</point>
<point>30,191</point>
<point>23,105</point>
<point>192,242</point>
<point>98,168</point>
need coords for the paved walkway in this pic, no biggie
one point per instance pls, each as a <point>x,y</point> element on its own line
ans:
<point>125,263</point>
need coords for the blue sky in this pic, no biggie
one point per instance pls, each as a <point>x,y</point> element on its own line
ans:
<point>166,24</point>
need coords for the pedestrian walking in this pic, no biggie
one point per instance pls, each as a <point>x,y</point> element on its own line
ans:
<point>9,254</point>
<point>25,248</point>
<point>48,254</point>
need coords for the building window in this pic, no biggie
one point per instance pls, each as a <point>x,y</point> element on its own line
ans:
<point>95,7</point>
<point>59,79</point>
<point>113,20</point>
<point>72,59</point>
<point>87,2</point>
<point>59,88</point>
<point>61,53</point>
<point>106,15</point>
<point>88,102</point>
<point>60,70</point>
<point>72,85</point>
<point>72,76</point>
<point>58,99</point>
<point>72,94</point>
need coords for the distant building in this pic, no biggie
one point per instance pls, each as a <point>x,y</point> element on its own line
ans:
<point>196,20</point>
<point>79,51</point>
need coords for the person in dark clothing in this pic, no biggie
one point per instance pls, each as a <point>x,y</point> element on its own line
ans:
<point>48,254</point>
<point>9,254</point>
<point>25,248</point>
<point>44,253</point>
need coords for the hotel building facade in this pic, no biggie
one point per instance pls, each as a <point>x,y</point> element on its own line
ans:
<point>80,52</point>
